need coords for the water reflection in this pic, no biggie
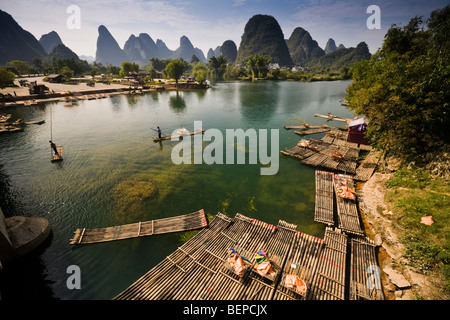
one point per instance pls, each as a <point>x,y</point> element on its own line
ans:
<point>259,101</point>
<point>177,103</point>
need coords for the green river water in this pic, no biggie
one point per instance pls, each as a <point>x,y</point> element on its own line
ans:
<point>113,173</point>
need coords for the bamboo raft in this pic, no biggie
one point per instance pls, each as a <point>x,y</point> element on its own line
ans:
<point>59,157</point>
<point>365,280</point>
<point>198,271</point>
<point>367,166</point>
<point>329,278</point>
<point>178,136</point>
<point>324,205</point>
<point>302,262</point>
<point>306,126</point>
<point>347,210</point>
<point>313,131</point>
<point>332,117</point>
<point>173,269</point>
<point>335,153</point>
<point>191,221</point>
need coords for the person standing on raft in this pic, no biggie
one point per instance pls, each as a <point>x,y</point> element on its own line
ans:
<point>159,133</point>
<point>54,147</point>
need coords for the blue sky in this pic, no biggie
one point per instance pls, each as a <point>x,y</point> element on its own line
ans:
<point>208,23</point>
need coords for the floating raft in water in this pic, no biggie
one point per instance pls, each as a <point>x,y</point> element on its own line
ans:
<point>179,135</point>
<point>332,117</point>
<point>57,157</point>
<point>191,221</point>
<point>306,126</point>
<point>312,131</point>
<point>324,208</point>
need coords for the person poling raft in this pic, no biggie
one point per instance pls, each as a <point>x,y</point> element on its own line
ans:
<point>179,134</point>
<point>57,151</point>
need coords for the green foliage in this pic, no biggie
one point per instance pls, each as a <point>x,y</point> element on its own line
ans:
<point>78,66</point>
<point>415,194</point>
<point>6,78</point>
<point>258,65</point>
<point>66,72</point>
<point>21,67</point>
<point>403,88</point>
<point>341,58</point>
<point>218,66</point>
<point>127,68</point>
<point>200,72</point>
<point>159,64</point>
<point>175,69</point>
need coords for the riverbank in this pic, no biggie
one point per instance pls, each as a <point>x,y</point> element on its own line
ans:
<point>401,279</point>
<point>20,95</point>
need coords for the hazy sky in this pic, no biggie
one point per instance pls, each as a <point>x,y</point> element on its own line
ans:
<point>208,23</point>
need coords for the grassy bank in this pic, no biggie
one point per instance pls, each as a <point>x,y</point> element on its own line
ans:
<point>413,193</point>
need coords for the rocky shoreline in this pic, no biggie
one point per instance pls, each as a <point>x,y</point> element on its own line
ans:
<point>400,281</point>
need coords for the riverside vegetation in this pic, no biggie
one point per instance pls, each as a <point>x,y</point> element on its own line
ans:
<point>403,91</point>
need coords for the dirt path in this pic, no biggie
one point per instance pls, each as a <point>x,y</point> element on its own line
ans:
<point>400,281</point>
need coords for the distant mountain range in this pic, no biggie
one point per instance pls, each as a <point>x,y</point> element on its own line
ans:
<point>262,35</point>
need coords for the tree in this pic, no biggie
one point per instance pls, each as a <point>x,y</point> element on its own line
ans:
<point>258,65</point>
<point>218,65</point>
<point>127,68</point>
<point>403,89</point>
<point>158,64</point>
<point>112,70</point>
<point>22,67</point>
<point>175,69</point>
<point>93,73</point>
<point>200,72</point>
<point>6,78</point>
<point>37,64</point>
<point>66,72</point>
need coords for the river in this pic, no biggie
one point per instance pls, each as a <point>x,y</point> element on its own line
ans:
<point>114,173</point>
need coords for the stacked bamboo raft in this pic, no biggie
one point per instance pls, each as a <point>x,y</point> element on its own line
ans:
<point>301,262</point>
<point>191,221</point>
<point>347,210</point>
<point>324,207</point>
<point>365,278</point>
<point>329,278</point>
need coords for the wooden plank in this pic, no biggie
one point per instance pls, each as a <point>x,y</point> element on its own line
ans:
<point>191,221</point>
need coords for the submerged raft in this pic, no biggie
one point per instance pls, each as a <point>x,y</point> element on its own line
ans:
<point>179,136</point>
<point>191,221</point>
